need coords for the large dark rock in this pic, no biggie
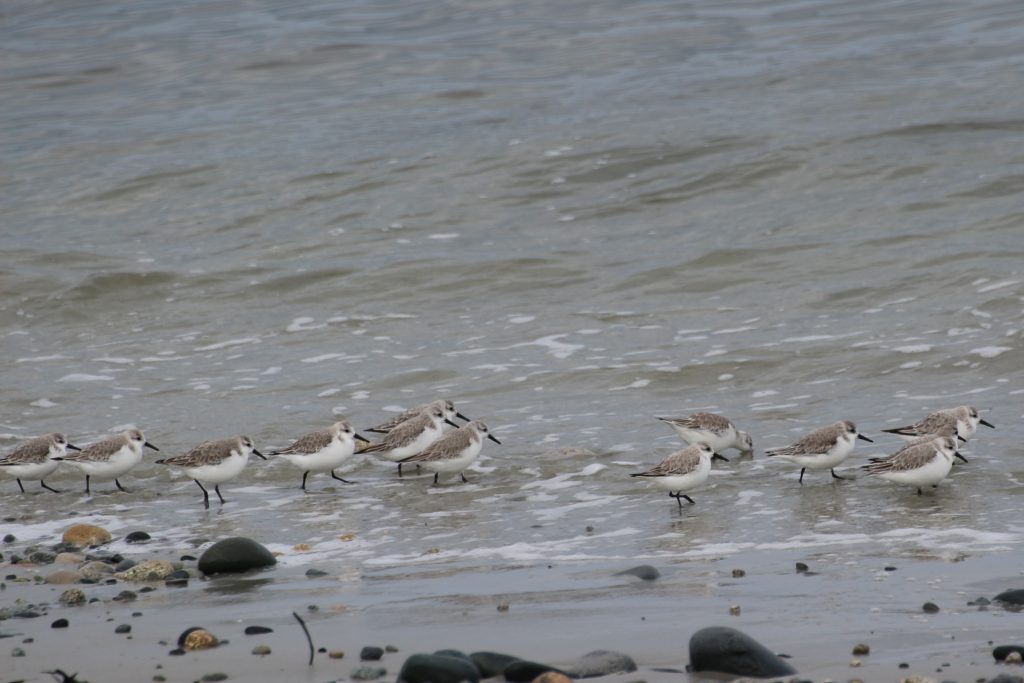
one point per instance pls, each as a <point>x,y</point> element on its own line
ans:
<point>1006,678</point>
<point>723,649</point>
<point>601,663</point>
<point>1001,651</point>
<point>491,664</point>
<point>1011,597</point>
<point>524,671</point>
<point>234,555</point>
<point>437,669</point>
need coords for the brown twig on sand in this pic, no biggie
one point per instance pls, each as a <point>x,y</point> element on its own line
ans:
<point>309,638</point>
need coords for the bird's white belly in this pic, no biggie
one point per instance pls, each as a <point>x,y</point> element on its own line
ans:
<point>457,464</point>
<point>112,468</point>
<point>226,469</point>
<point>33,470</point>
<point>323,460</point>
<point>418,445</point>
<point>929,475</point>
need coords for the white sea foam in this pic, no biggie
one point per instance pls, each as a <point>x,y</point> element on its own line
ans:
<point>82,377</point>
<point>991,351</point>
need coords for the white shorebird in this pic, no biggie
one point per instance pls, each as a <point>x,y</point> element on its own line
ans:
<point>454,451</point>
<point>714,430</point>
<point>684,470</point>
<point>215,462</point>
<point>34,459</point>
<point>963,419</point>
<point>920,464</point>
<point>322,450</point>
<point>411,437</point>
<point>450,413</point>
<point>822,449</point>
<point>110,458</point>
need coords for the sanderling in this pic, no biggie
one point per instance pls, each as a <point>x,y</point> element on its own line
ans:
<point>411,437</point>
<point>821,449</point>
<point>964,419</point>
<point>454,451</point>
<point>34,459</point>
<point>215,462</point>
<point>716,431</point>
<point>111,457</point>
<point>323,450</point>
<point>923,464</point>
<point>447,406</point>
<point>684,470</point>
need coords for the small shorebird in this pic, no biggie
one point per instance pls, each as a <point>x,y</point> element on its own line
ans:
<point>447,406</point>
<point>822,449</point>
<point>716,431</point>
<point>411,437</point>
<point>215,462</point>
<point>684,470</point>
<point>34,459</point>
<point>454,451</point>
<point>111,457</point>
<point>920,464</point>
<point>322,450</point>
<point>963,419</point>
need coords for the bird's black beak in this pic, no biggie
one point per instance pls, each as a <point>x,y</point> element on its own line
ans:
<point>957,454</point>
<point>461,416</point>
<point>360,438</point>
<point>716,456</point>
<point>449,422</point>
<point>256,452</point>
<point>147,445</point>
<point>962,439</point>
<point>72,448</point>
<point>861,436</point>
<point>987,424</point>
<point>492,438</point>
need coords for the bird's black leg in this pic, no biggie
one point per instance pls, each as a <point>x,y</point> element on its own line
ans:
<point>399,469</point>
<point>20,486</point>
<point>304,475</point>
<point>206,494</point>
<point>87,492</point>
<point>687,498</point>
<point>919,491</point>
<point>435,477</point>
<point>216,488</point>
<point>802,470</point>
<point>43,484</point>
<point>335,476</point>
<point>119,487</point>
<point>464,480</point>
<point>836,476</point>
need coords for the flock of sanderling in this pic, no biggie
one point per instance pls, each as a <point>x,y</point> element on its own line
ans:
<point>418,437</point>
<point>924,461</point>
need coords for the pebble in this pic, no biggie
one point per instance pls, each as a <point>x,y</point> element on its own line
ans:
<point>42,557</point>
<point>85,536</point>
<point>196,638</point>
<point>368,673</point>
<point>861,649</point>
<point>60,623</point>
<point>524,671</point>
<point>801,568</point>
<point>601,663</point>
<point>371,653</point>
<point>72,596</point>
<point>149,570</point>
<point>69,558</point>
<point>137,537</point>
<point>95,571</point>
<point>63,576</point>
<point>336,654</point>
<point>214,677</point>
<point>738,573</point>
<point>1011,597</point>
<point>315,572</point>
<point>17,652</point>
<point>930,607</point>
<point>727,650</point>
<point>552,677</point>
<point>9,538</point>
<point>123,628</point>
<point>257,630</point>
<point>261,650</point>
<point>179,577</point>
<point>644,571</point>
<point>1013,658</point>
<point>503,606</point>
<point>734,610</point>
<point>125,596</point>
<point>437,669</point>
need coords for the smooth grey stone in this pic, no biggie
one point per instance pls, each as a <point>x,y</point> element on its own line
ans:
<point>643,571</point>
<point>42,557</point>
<point>368,673</point>
<point>371,653</point>
<point>437,669</point>
<point>601,663</point>
<point>233,555</point>
<point>724,649</point>
<point>1011,597</point>
<point>491,664</point>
